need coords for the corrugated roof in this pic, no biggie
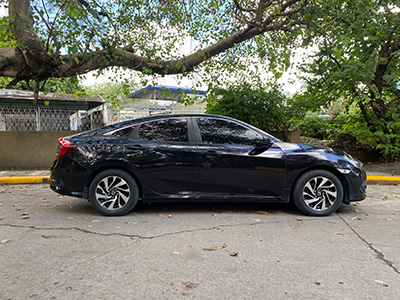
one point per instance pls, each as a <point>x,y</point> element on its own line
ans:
<point>164,92</point>
<point>20,94</point>
<point>25,98</point>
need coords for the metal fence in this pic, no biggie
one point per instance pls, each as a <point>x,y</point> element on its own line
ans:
<point>133,113</point>
<point>15,118</point>
<point>19,118</point>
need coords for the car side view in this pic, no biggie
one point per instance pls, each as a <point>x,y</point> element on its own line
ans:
<point>200,157</point>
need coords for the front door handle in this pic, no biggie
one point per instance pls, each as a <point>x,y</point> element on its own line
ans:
<point>134,147</point>
<point>212,152</point>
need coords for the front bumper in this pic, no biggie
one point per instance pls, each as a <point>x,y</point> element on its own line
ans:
<point>357,183</point>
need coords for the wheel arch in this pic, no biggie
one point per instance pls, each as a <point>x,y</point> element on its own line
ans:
<point>330,169</point>
<point>111,164</point>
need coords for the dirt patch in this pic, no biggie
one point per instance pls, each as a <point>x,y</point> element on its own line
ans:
<point>392,168</point>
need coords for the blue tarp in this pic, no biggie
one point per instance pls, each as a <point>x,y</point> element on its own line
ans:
<point>165,92</point>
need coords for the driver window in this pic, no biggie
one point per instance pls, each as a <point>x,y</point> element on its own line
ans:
<point>215,131</point>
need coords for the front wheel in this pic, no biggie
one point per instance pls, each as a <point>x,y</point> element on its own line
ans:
<point>318,193</point>
<point>113,192</point>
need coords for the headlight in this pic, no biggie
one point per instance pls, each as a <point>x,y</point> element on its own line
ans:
<point>348,164</point>
<point>355,162</point>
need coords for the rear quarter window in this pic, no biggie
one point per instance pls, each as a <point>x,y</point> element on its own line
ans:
<point>123,133</point>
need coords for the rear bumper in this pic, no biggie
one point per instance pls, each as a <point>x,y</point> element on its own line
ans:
<point>69,178</point>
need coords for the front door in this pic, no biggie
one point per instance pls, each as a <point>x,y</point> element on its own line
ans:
<point>231,167</point>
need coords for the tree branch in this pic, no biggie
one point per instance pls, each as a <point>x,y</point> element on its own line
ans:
<point>262,5</point>
<point>35,63</point>
<point>139,63</point>
<point>51,34</point>
<point>9,62</point>
<point>21,22</point>
<point>242,9</point>
<point>395,47</point>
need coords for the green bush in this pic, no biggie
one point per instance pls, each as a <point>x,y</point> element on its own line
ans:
<point>313,126</point>
<point>260,106</point>
<point>385,137</point>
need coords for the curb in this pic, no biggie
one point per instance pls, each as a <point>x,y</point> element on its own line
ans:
<point>24,179</point>
<point>382,180</point>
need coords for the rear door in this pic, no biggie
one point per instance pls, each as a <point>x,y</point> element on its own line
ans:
<point>231,167</point>
<point>161,153</point>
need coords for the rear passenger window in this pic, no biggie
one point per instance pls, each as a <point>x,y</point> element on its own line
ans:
<point>168,130</point>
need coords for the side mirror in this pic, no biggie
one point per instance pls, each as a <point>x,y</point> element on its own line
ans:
<point>260,146</point>
<point>263,144</point>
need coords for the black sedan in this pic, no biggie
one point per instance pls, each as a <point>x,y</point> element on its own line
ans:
<point>198,158</point>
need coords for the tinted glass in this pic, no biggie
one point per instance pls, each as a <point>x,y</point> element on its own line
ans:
<point>170,130</point>
<point>125,132</point>
<point>214,131</point>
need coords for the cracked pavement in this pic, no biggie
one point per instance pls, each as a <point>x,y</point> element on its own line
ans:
<point>59,247</point>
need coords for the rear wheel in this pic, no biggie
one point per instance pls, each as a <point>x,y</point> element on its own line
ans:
<point>113,192</point>
<point>318,193</point>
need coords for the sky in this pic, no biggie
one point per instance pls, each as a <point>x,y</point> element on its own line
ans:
<point>91,79</point>
<point>3,10</point>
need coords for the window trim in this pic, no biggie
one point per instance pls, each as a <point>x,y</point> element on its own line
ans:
<point>194,131</point>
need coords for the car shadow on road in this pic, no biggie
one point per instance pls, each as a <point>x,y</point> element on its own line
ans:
<point>177,207</point>
<point>215,207</point>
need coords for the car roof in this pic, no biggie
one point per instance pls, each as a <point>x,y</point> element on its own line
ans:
<point>123,124</point>
<point>167,116</point>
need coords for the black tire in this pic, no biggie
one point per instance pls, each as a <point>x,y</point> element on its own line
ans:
<point>113,192</point>
<point>318,193</point>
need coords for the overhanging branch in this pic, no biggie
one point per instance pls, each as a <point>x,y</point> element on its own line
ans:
<point>34,62</point>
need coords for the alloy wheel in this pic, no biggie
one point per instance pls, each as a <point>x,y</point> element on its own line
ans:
<point>320,193</point>
<point>112,192</point>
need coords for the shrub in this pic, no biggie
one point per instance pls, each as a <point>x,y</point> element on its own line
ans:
<point>314,126</point>
<point>262,107</point>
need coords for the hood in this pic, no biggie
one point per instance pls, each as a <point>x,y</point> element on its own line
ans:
<point>289,148</point>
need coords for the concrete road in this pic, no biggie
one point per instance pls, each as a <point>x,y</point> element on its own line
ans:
<point>54,247</point>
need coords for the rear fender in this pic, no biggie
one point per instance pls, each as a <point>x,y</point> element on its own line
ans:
<point>111,164</point>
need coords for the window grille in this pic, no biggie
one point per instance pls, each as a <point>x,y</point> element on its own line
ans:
<point>17,118</point>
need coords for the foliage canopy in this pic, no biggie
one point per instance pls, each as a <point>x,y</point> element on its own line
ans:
<point>357,62</point>
<point>63,38</point>
<point>261,106</point>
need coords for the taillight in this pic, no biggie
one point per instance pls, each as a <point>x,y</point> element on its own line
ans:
<point>66,147</point>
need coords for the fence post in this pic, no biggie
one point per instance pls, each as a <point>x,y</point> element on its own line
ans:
<point>37,111</point>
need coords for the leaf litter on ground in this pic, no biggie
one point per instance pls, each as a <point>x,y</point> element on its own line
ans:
<point>217,247</point>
